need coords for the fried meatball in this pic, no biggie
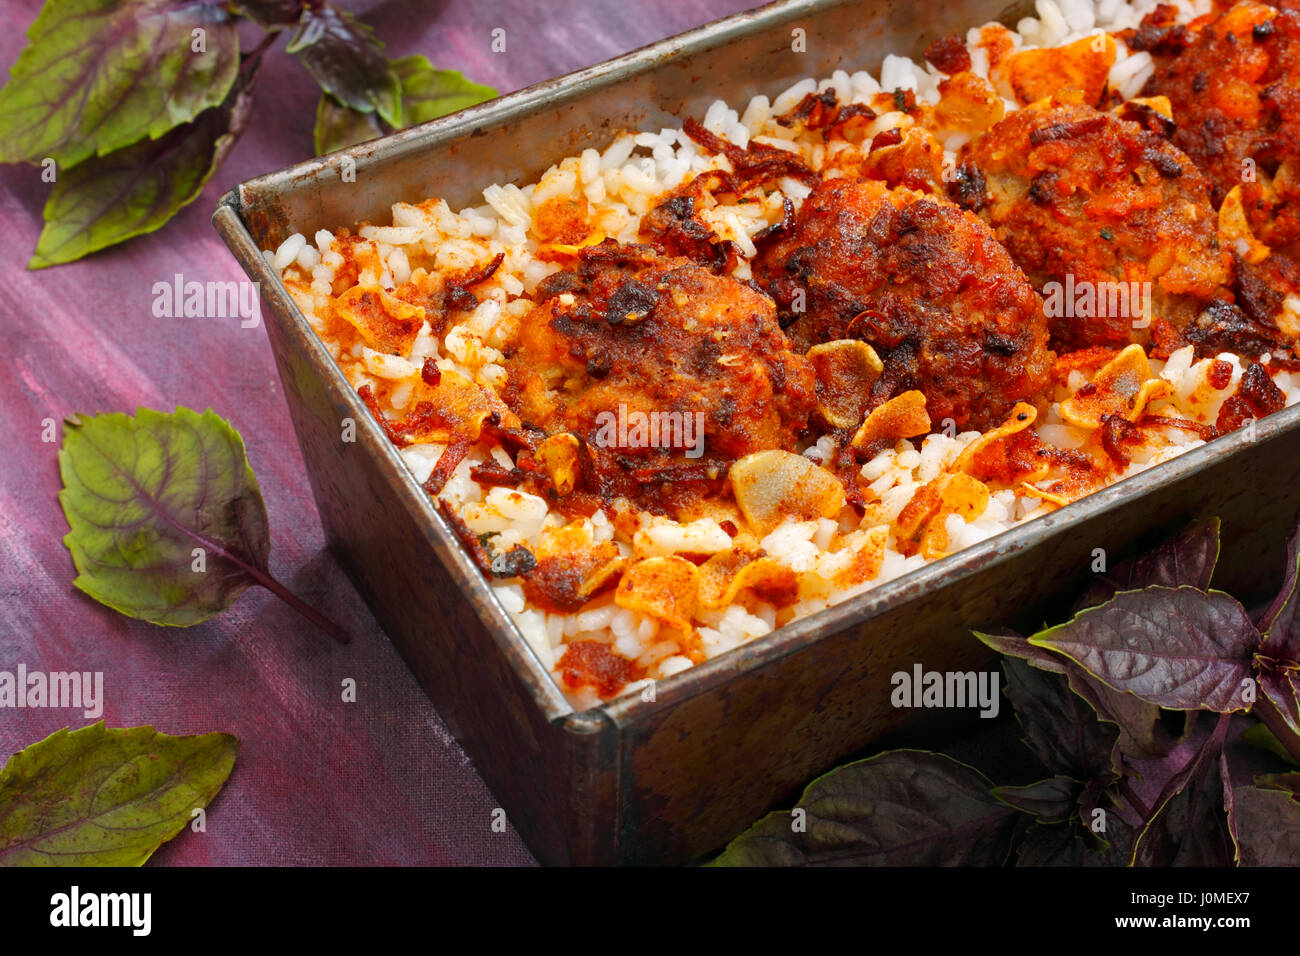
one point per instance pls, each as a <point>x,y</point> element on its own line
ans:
<point>629,331</point>
<point>1084,200</point>
<point>1234,84</point>
<point>925,284</point>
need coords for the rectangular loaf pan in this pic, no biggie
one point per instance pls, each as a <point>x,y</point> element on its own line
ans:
<point>671,779</point>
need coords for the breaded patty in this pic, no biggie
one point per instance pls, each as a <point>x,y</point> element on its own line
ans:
<point>630,328</point>
<point>1234,84</point>
<point>925,284</point>
<point>1083,199</point>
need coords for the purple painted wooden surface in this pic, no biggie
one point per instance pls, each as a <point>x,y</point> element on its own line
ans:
<point>379,781</point>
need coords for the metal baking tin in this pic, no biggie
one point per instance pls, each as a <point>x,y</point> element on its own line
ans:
<point>671,779</point>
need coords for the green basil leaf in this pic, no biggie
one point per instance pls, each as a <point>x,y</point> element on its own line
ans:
<point>428,93</point>
<point>1181,648</point>
<point>167,523</point>
<point>339,126</point>
<point>106,796</point>
<point>98,75</point>
<point>132,191</point>
<point>348,62</point>
<point>902,807</point>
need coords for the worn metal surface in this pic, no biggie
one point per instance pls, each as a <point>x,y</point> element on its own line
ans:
<point>638,781</point>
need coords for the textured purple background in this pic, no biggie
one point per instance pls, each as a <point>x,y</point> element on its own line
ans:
<point>379,781</point>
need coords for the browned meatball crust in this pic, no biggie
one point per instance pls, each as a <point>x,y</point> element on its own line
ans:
<point>628,327</point>
<point>1234,84</point>
<point>925,284</point>
<point>1084,199</point>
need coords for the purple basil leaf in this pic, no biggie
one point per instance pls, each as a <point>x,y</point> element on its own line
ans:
<point>1261,737</point>
<point>1010,644</point>
<point>1071,844</point>
<point>1188,558</point>
<point>348,62</point>
<point>1173,772</point>
<point>1007,642</point>
<point>1095,796</point>
<point>1191,829</point>
<point>1229,795</point>
<point>108,199</point>
<point>1189,824</point>
<point>1288,782</point>
<point>902,807</point>
<point>1267,826</point>
<point>1282,689</point>
<point>1060,727</point>
<point>1103,828</point>
<point>1117,839</point>
<point>270,14</point>
<point>1148,783</point>
<point>1047,801</point>
<point>1141,734</point>
<point>1279,624</point>
<point>1058,844</point>
<point>1181,648</point>
<point>99,75</point>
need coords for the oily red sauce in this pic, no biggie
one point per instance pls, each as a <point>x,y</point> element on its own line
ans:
<point>949,55</point>
<point>1220,376</point>
<point>1009,460</point>
<point>555,583</point>
<point>1117,432</point>
<point>590,663</point>
<point>1257,395</point>
<point>1205,432</point>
